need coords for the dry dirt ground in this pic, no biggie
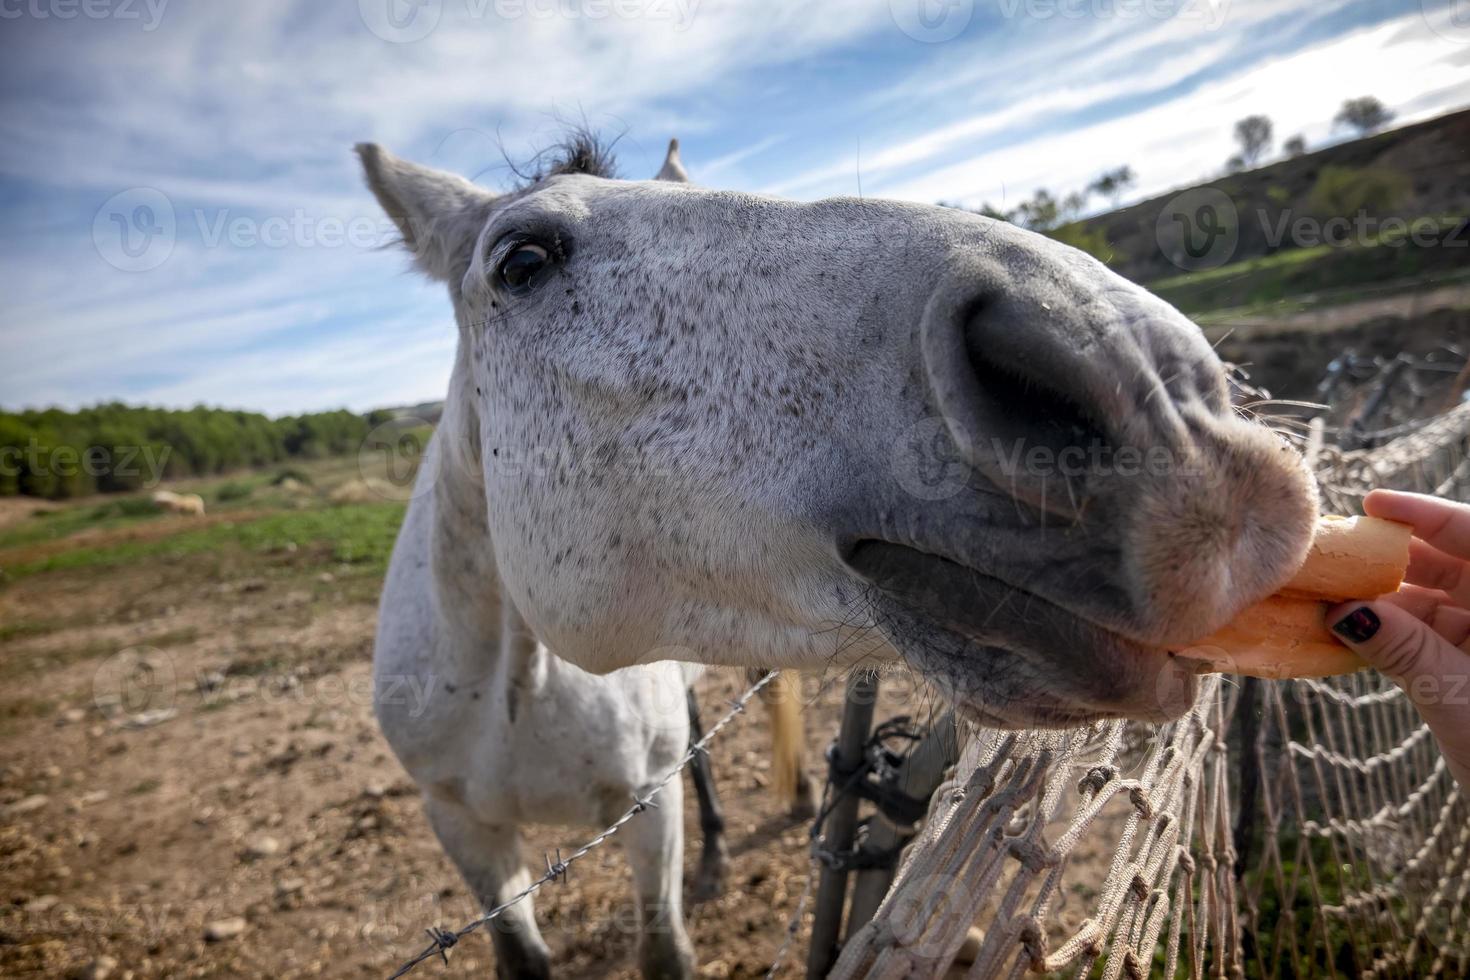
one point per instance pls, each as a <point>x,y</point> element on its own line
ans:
<point>188,740</point>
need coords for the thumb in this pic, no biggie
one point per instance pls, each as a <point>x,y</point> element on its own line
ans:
<point>1391,639</point>
<point>1434,674</point>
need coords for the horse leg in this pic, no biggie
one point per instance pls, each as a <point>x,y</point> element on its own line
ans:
<point>789,781</point>
<point>489,859</point>
<point>714,859</point>
<point>654,841</point>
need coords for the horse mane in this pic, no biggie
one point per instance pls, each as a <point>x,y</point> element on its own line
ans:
<point>580,151</point>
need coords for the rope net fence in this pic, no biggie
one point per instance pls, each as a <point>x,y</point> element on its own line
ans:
<point>1279,830</point>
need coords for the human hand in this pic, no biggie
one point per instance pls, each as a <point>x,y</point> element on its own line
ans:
<point>1420,636</point>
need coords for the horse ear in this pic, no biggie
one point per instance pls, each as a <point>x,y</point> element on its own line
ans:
<point>673,168</point>
<point>438,214</point>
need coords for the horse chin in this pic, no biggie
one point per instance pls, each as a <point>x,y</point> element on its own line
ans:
<point>1010,659</point>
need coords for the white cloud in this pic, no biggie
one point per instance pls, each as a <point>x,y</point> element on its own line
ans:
<point>1189,137</point>
<point>249,111</point>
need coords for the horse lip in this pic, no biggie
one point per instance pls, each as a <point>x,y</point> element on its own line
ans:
<point>875,560</point>
<point>961,601</point>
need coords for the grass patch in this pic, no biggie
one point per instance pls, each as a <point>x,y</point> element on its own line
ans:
<point>233,490</point>
<point>57,524</point>
<point>21,629</point>
<point>1294,274</point>
<point>361,535</point>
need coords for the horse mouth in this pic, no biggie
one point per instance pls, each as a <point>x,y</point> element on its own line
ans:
<point>1008,658</point>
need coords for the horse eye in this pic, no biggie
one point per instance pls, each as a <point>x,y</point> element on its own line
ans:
<point>522,264</point>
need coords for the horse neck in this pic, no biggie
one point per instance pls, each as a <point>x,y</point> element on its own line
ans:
<point>489,632</point>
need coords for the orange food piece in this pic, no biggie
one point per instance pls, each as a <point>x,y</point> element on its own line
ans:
<point>1286,634</point>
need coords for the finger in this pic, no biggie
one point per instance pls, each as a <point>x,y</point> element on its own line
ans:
<point>1433,569</point>
<point>1419,602</point>
<point>1442,523</point>
<point>1436,609</point>
<point>1396,642</point>
<point>1434,674</point>
<point>1452,623</point>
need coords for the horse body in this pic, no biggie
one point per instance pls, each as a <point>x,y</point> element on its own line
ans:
<point>499,732</point>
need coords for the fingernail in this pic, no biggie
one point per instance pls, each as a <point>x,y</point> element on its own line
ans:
<point>1358,626</point>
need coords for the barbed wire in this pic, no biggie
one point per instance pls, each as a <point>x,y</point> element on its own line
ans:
<point>444,940</point>
<point>793,925</point>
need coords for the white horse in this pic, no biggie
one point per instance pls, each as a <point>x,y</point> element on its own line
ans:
<point>711,427</point>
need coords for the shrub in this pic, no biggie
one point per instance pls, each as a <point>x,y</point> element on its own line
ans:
<point>1347,191</point>
<point>234,490</point>
<point>1092,241</point>
<point>124,507</point>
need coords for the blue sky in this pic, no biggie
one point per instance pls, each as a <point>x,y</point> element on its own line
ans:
<point>185,222</point>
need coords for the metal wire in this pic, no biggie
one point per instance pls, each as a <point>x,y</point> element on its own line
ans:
<point>444,940</point>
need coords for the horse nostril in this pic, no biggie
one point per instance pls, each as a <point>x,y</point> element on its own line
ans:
<point>1028,390</point>
<point>1054,419</point>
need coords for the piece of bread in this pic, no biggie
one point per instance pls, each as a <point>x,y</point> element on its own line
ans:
<point>1352,558</point>
<point>1286,634</point>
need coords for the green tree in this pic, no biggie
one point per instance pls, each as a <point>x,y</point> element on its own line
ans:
<point>1113,184</point>
<point>1364,114</point>
<point>1253,133</point>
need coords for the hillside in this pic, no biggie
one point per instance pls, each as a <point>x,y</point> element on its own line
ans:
<point>1424,170</point>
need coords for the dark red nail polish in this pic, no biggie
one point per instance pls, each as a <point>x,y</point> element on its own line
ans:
<point>1358,626</point>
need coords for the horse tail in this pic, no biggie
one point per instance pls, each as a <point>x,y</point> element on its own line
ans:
<point>782,698</point>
